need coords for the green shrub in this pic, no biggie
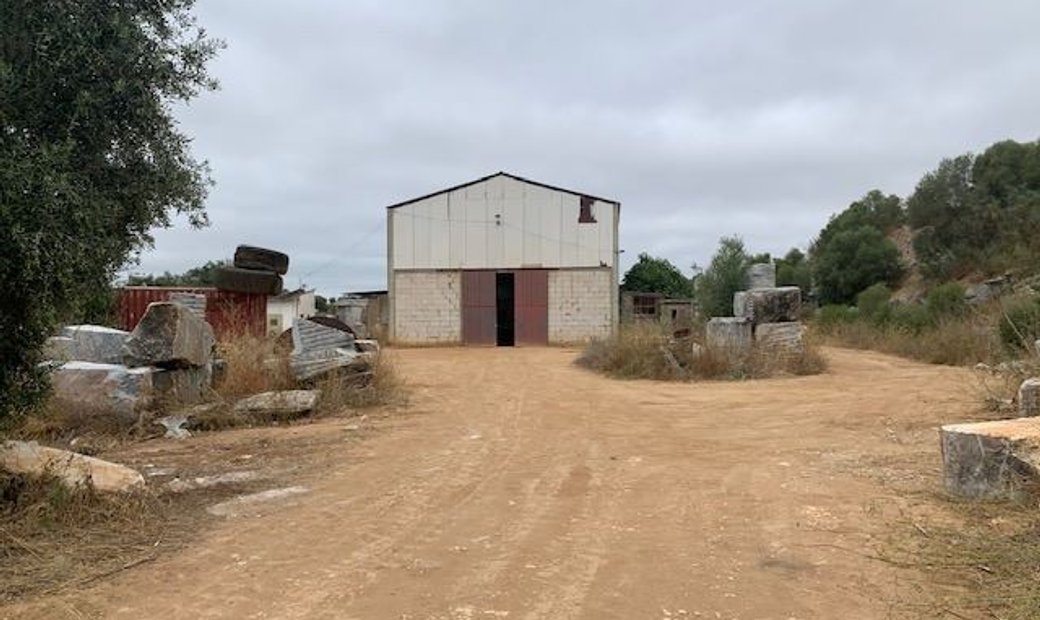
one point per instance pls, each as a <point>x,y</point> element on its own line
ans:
<point>910,318</point>
<point>1020,325</point>
<point>946,300</point>
<point>873,303</point>
<point>835,314</point>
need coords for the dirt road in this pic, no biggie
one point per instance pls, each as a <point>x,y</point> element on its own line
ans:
<point>519,486</point>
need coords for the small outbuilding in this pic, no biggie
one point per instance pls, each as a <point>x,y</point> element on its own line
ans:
<point>505,261</point>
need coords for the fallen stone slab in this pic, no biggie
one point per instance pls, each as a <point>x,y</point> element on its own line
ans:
<point>103,388</point>
<point>1029,397</point>
<point>247,503</point>
<point>310,336</point>
<point>261,259</point>
<point>781,337</point>
<point>181,485</point>
<point>761,275</point>
<point>170,335</point>
<point>729,334</point>
<point>22,457</point>
<point>990,460</point>
<point>773,305</point>
<point>247,281</point>
<point>96,343</point>
<point>307,367</point>
<point>283,404</point>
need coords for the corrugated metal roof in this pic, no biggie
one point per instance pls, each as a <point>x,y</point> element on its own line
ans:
<point>511,176</point>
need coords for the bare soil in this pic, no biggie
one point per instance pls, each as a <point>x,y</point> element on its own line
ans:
<point>518,485</point>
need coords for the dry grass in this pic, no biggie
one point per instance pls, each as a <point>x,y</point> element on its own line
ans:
<point>380,386</point>
<point>251,365</point>
<point>52,536</point>
<point>953,341</point>
<point>645,351</point>
<point>986,562</point>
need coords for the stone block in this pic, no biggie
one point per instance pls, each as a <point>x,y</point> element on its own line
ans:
<point>283,404</point>
<point>196,302</point>
<point>310,336</point>
<point>740,304</point>
<point>730,334</point>
<point>990,460</point>
<point>103,388</point>
<point>184,386</point>
<point>783,337</point>
<point>261,259</point>
<point>170,336</point>
<point>59,349</point>
<point>1029,397</point>
<point>761,275</point>
<point>96,343</point>
<point>28,457</point>
<point>773,305</point>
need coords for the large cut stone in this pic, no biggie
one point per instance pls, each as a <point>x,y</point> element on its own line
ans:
<point>1029,397</point>
<point>28,457</point>
<point>761,275</point>
<point>729,334</point>
<point>96,343</point>
<point>310,336</point>
<point>990,460</point>
<point>740,304</point>
<point>170,336</point>
<point>773,305</point>
<point>182,385</point>
<point>284,404</point>
<point>59,349</point>
<point>261,259</point>
<point>782,337</point>
<point>103,388</point>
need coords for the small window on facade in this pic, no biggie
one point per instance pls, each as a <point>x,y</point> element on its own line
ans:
<point>585,215</point>
<point>643,305</point>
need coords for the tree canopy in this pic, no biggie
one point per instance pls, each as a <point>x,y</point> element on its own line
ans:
<point>725,275</point>
<point>656,275</point>
<point>91,158</point>
<point>203,275</point>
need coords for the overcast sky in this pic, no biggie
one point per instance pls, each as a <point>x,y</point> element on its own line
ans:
<point>756,118</point>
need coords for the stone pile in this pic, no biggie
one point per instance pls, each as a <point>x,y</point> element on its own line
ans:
<point>765,316</point>
<point>255,270</point>
<point>319,350</point>
<point>168,358</point>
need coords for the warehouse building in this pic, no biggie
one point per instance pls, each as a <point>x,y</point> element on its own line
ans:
<point>502,260</point>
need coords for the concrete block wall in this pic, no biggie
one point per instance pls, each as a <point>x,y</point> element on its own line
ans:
<point>580,304</point>
<point>427,307</point>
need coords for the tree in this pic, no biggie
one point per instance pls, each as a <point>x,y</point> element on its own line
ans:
<point>204,275</point>
<point>91,158</point>
<point>853,260</point>
<point>793,270</point>
<point>726,275</point>
<point>656,275</point>
<point>322,305</point>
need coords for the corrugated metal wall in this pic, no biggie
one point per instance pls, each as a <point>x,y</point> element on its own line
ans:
<point>226,311</point>
<point>501,223</point>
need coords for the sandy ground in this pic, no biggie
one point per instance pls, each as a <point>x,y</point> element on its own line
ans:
<point>520,486</point>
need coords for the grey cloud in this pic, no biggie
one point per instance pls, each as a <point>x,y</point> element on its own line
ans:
<point>705,119</point>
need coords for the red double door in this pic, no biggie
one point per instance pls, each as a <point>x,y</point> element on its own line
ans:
<point>505,307</point>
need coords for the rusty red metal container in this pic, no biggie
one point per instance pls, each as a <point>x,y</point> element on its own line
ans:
<point>227,311</point>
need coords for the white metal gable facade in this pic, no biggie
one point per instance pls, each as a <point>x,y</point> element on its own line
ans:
<point>500,223</point>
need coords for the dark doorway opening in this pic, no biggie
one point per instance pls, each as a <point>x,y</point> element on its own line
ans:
<point>505,314</point>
